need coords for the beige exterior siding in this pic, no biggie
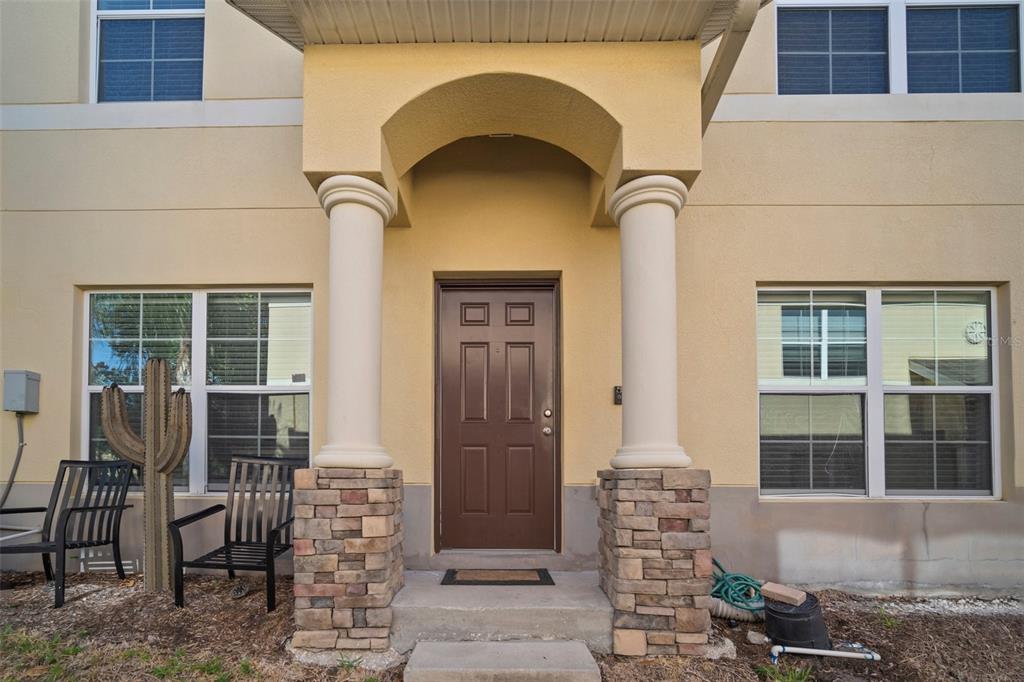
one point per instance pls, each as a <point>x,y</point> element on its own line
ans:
<point>801,202</point>
<point>42,51</point>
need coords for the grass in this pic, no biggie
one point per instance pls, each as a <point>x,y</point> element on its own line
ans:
<point>24,655</point>
<point>348,664</point>
<point>783,673</point>
<point>46,657</point>
<point>889,622</point>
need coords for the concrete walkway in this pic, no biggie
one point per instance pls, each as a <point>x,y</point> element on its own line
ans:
<point>574,608</point>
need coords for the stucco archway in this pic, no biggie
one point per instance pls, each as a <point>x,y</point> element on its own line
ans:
<point>500,104</point>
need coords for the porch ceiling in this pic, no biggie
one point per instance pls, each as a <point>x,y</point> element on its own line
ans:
<point>331,22</point>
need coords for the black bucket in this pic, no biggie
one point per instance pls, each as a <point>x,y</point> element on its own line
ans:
<point>800,626</point>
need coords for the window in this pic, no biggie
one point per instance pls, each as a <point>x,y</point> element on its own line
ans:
<point>963,49</point>
<point>833,51</point>
<point>877,392</point>
<point>150,50</point>
<point>244,356</point>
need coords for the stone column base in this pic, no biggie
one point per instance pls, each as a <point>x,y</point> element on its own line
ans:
<point>348,557</point>
<point>655,559</point>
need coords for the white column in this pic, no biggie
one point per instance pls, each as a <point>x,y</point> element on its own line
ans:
<point>645,210</point>
<point>358,209</point>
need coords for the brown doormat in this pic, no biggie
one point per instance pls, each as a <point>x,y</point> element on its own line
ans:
<point>501,576</point>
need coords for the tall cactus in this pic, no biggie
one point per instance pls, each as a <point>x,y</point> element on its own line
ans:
<point>167,431</point>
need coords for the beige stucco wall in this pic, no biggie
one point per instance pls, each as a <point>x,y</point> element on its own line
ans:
<point>492,206</point>
<point>777,202</point>
<point>754,73</point>
<point>243,60</point>
<point>172,208</point>
<point>350,91</point>
<point>230,206</point>
<point>40,50</point>
<point>46,55</point>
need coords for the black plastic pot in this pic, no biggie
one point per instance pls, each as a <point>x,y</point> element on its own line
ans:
<point>800,626</point>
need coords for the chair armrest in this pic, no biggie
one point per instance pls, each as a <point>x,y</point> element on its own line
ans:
<point>23,510</point>
<point>272,538</point>
<point>178,524</point>
<point>65,516</point>
<point>276,531</point>
<point>102,507</point>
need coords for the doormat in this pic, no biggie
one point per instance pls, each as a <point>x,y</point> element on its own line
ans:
<point>500,576</point>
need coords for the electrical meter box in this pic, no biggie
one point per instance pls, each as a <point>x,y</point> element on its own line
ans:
<point>21,391</point>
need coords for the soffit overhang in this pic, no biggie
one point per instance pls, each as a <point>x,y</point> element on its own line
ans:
<point>362,22</point>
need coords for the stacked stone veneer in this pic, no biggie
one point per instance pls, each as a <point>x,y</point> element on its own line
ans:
<point>348,557</point>
<point>655,559</point>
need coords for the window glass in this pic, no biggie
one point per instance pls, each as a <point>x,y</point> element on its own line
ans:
<point>843,51</point>
<point>933,384</point>
<point>934,338</point>
<point>256,392</point>
<point>150,59</point>
<point>963,49</point>
<point>255,425</point>
<point>125,330</point>
<point>807,338</point>
<point>938,443</point>
<point>258,339</point>
<point>812,443</point>
<point>121,5</point>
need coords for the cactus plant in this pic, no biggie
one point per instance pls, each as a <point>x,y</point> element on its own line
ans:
<point>166,433</point>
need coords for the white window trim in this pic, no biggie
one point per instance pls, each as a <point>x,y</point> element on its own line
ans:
<point>897,33</point>
<point>96,15</point>
<point>874,396</point>
<point>198,389</point>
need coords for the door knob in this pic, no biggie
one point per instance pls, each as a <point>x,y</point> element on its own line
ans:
<point>547,412</point>
<point>546,430</point>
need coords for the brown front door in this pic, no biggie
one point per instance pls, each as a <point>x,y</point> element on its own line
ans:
<point>498,436</point>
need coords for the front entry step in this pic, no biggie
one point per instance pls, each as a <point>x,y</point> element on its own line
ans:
<point>573,609</point>
<point>524,661</point>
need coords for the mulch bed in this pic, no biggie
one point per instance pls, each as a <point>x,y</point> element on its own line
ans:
<point>110,629</point>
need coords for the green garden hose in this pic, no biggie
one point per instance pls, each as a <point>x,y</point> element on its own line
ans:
<point>736,595</point>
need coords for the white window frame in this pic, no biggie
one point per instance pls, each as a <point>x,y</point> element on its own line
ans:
<point>897,31</point>
<point>97,15</point>
<point>198,388</point>
<point>875,390</point>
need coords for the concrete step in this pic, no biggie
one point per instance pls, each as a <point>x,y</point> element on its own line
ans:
<point>527,661</point>
<point>574,608</point>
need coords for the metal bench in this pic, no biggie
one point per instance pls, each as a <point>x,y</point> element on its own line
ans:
<point>84,511</point>
<point>257,522</point>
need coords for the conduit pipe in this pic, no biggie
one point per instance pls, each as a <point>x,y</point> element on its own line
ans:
<point>865,655</point>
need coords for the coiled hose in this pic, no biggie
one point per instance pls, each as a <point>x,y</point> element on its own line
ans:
<point>736,596</point>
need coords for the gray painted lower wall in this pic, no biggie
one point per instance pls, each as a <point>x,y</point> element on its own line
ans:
<point>872,545</point>
<point>579,536</point>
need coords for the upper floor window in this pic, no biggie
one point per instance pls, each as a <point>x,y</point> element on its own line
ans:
<point>963,49</point>
<point>833,51</point>
<point>150,50</point>
<point>898,46</point>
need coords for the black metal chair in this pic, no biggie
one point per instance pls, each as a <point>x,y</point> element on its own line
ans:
<point>84,511</point>
<point>257,522</point>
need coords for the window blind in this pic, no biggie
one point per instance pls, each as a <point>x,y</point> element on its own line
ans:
<point>842,51</point>
<point>963,49</point>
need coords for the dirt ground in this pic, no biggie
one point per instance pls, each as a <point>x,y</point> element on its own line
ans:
<point>111,630</point>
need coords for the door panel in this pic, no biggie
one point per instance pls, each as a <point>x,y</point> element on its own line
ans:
<point>498,468</point>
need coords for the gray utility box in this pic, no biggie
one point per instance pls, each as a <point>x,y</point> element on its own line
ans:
<point>21,391</point>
